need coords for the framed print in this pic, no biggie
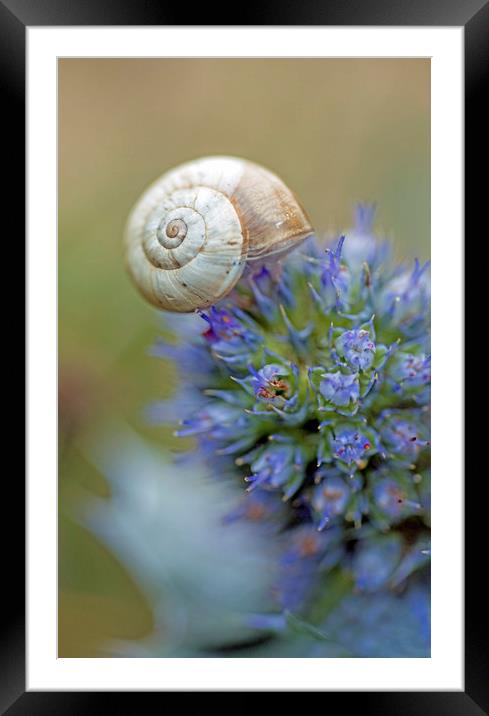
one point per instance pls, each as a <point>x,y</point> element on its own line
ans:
<point>242,242</point>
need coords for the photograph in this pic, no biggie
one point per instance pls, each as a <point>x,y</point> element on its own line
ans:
<point>244,357</point>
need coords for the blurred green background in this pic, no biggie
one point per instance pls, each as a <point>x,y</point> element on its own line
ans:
<point>337,131</point>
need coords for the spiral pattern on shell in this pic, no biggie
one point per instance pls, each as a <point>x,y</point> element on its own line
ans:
<point>191,233</point>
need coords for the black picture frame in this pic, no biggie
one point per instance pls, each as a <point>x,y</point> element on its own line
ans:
<point>15,17</point>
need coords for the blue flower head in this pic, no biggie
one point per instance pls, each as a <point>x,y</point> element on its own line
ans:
<point>311,387</point>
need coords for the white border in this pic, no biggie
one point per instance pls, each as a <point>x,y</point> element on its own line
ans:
<point>444,670</point>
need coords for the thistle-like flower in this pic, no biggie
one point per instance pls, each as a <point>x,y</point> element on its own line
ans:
<point>312,390</point>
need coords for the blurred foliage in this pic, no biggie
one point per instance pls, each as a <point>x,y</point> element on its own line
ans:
<point>337,131</point>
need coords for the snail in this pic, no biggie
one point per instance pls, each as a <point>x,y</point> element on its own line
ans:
<point>193,232</point>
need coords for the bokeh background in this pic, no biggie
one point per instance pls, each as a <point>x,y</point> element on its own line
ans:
<point>338,132</point>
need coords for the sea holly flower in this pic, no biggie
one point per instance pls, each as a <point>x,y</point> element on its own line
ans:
<point>339,389</point>
<point>410,375</point>
<point>222,326</point>
<point>350,446</point>
<point>277,466</point>
<point>357,347</point>
<point>274,387</point>
<point>310,388</point>
<point>411,371</point>
<point>231,335</point>
<point>403,433</point>
<point>270,383</point>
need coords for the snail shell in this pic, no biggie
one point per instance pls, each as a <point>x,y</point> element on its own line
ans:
<point>191,234</point>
